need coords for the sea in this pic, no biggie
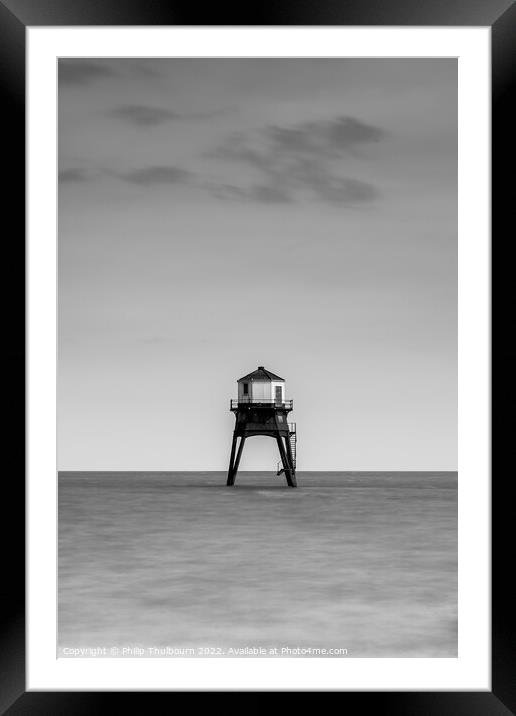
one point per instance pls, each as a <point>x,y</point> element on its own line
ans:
<point>176,564</point>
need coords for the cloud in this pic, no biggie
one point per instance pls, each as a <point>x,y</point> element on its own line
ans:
<point>143,67</point>
<point>82,72</point>
<point>294,161</point>
<point>331,190</point>
<point>346,132</point>
<point>226,191</point>
<point>145,116</point>
<point>73,175</point>
<point>321,140</point>
<point>260,193</point>
<point>238,148</point>
<point>315,175</point>
<point>345,191</point>
<point>288,164</point>
<point>340,135</point>
<point>146,176</point>
<point>149,176</point>
<point>270,194</point>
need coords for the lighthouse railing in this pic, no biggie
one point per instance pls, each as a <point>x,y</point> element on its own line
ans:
<point>288,404</point>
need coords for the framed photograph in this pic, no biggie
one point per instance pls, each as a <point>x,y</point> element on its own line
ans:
<point>278,230</point>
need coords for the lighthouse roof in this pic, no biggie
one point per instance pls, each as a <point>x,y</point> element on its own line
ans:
<point>261,373</point>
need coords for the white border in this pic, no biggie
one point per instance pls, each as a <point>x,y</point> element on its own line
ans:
<point>471,670</point>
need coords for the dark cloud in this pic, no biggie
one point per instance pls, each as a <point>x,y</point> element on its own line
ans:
<point>289,164</point>
<point>238,148</point>
<point>145,116</point>
<point>142,116</point>
<point>144,68</point>
<point>325,138</point>
<point>269,194</point>
<point>72,175</point>
<point>345,191</point>
<point>259,193</point>
<point>322,140</point>
<point>316,176</point>
<point>347,132</point>
<point>300,159</point>
<point>146,176</point>
<point>158,175</point>
<point>82,72</point>
<point>226,191</point>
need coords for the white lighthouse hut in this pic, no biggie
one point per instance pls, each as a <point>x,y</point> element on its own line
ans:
<point>261,386</point>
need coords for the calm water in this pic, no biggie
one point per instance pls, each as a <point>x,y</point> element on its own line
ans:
<point>360,561</point>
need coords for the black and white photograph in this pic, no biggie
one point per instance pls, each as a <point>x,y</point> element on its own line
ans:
<point>257,357</point>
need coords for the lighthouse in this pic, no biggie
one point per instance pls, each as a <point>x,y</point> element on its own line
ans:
<point>262,409</point>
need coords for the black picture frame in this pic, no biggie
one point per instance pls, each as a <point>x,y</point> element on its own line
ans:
<point>15,17</point>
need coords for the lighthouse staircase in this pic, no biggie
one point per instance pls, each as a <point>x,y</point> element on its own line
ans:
<point>292,438</point>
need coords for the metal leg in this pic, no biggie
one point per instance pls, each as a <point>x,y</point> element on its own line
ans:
<point>284,460</point>
<point>237,461</point>
<point>231,480</point>
<point>291,461</point>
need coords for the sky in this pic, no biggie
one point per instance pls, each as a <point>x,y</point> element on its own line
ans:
<point>215,215</point>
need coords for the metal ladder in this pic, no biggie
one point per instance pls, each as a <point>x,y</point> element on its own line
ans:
<point>292,436</point>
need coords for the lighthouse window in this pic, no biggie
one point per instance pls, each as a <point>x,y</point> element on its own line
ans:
<point>246,388</point>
